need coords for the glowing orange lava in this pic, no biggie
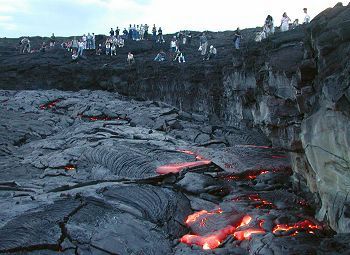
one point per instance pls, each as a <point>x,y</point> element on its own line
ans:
<point>245,221</point>
<point>212,240</point>
<point>303,225</point>
<point>246,234</point>
<point>263,203</point>
<point>198,157</point>
<point>193,217</point>
<point>178,167</point>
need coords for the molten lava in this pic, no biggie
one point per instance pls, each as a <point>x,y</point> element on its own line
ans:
<point>198,157</point>
<point>245,221</point>
<point>295,228</point>
<point>214,239</point>
<point>178,167</point>
<point>211,241</point>
<point>246,234</point>
<point>49,105</point>
<point>262,202</point>
<point>193,217</point>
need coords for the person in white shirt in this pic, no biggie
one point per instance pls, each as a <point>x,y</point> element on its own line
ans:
<point>84,40</point>
<point>130,58</point>
<point>212,52</point>
<point>81,46</point>
<point>306,17</point>
<point>285,22</point>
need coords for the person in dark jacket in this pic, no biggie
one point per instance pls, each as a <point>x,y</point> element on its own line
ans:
<point>111,32</point>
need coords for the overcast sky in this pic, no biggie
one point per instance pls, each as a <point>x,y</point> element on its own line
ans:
<point>75,17</point>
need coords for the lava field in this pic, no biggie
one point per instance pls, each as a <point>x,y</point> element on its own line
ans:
<point>92,172</point>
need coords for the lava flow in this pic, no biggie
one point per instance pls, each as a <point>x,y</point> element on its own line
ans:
<point>249,175</point>
<point>178,167</point>
<point>259,202</point>
<point>246,234</point>
<point>198,157</point>
<point>292,229</point>
<point>215,238</point>
<point>50,104</point>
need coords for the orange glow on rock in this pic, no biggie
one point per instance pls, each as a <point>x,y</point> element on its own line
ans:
<point>70,167</point>
<point>206,242</point>
<point>178,167</point>
<point>193,217</point>
<point>49,105</point>
<point>303,225</point>
<point>278,156</point>
<point>214,239</point>
<point>245,221</point>
<point>198,157</point>
<point>246,234</point>
<point>246,176</point>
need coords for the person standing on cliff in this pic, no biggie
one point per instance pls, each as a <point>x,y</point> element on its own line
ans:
<point>160,36</point>
<point>269,28</point>
<point>203,44</point>
<point>89,41</point>
<point>173,46</point>
<point>146,32</point>
<point>154,32</point>
<point>81,47</point>
<point>285,22</point>
<point>111,33</point>
<point>237,38</point>
<point>75,45</point>
<point>130,32</point>
<point>52,40</point>
<point>84,40</point>
<point>306,17</point>
<point>189,38</point>
<point>93,41</point>
<point>125,34</point>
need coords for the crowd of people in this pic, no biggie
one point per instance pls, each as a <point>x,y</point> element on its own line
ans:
<point>118,39</point>
<point>286,24</point>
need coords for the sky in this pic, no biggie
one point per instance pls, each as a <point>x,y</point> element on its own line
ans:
<point>76,17</point>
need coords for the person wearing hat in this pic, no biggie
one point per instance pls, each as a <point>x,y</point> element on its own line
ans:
<point>306,17</point>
